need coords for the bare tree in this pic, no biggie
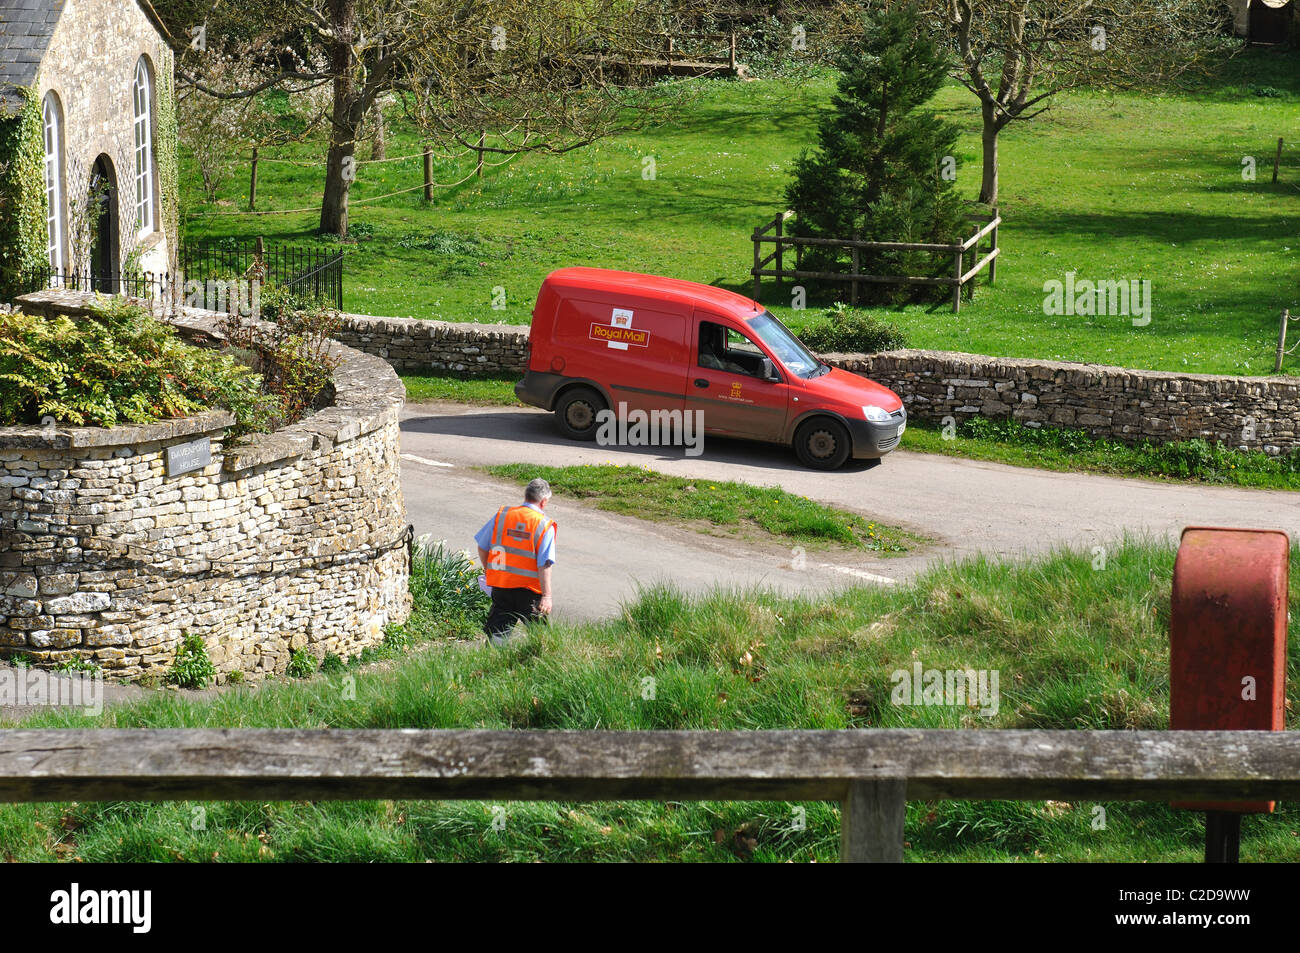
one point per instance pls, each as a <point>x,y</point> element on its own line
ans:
<point>537,74</point>
<point>1015,55</point>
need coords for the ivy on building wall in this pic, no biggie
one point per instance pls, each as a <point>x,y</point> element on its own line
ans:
<point>23,231</point>
<point>166,147</point>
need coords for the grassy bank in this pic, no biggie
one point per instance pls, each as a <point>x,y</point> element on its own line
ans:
<point>1131,186</point>
<point>1075,648</point>
<point>719,508</point>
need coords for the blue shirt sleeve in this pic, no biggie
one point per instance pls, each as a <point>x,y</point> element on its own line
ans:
<point>484,536</point>
<point>546,551</point>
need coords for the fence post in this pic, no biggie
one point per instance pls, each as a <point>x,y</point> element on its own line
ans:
<point>871,822</point>
<point>856,253</point>
<point>758,257</point>
<point>1281,341</point>
<point>428,174</point>
<point>993,238</point>
<point>780,252</point>
<point>731,53</point>
<point>1277,159</point>
<point>252,184</point>
<point>956,288</point>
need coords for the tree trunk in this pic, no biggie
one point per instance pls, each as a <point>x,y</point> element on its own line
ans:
<point>379,144</point>
<point>989,140</point>
<point>334,206</point>
<point>340,165</point>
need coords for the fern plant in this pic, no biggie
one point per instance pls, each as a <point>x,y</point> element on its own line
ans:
<point>119,364</point>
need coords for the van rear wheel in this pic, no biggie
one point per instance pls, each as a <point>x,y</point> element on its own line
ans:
<point>577,413</point>
<point>823,444</point>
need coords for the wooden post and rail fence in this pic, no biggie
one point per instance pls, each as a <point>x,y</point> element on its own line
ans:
<point>694,58</point>
<point>772,234</point>
<point>872,773</point>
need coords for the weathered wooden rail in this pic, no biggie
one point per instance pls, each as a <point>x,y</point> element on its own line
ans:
<point>772,233</point>
<point>872,773</point>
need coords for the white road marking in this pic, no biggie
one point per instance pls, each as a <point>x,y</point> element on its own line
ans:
<point>426,461</point>
<point>861,574</point>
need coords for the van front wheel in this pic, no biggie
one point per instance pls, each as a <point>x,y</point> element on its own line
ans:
<point>577,413</point>
<point>823,444</point>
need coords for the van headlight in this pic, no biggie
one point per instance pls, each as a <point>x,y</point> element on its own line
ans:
<point>877,415</point>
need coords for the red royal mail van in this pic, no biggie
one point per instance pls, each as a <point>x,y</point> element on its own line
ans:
<point>623,341</point>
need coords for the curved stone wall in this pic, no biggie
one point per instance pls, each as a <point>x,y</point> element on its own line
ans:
<point>291,540</point>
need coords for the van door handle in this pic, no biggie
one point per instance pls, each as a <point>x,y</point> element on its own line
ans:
<point>701,382</point>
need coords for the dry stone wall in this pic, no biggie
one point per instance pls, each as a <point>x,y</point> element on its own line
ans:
<point>1257,413</point>
<point>413,346</point>
<point>291,540</point>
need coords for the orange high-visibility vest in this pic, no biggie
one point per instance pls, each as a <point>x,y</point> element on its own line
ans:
<point>517,535</point>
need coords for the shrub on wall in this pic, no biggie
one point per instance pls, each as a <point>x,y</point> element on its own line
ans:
<point>845,330</point>
<point>23,230</point>
<point>119,364</point>
<point>291,349</point>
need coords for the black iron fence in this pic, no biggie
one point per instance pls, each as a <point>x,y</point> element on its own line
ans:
<point>312,274</point>
<point>143,285</point>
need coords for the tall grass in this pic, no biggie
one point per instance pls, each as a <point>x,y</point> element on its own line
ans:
<point>1075,648</point>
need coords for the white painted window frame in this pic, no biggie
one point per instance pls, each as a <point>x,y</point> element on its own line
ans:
<point>142,102</point>
<point>52,133</point>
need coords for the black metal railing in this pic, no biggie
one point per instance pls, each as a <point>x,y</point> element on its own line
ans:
<point>311,274</point>
<point>143,285</point>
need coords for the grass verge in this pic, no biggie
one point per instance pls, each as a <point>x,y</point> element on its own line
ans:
<point>1075,648</point>
<point>481,391</point>
<point>719,508</point>
<point>1186,461</point>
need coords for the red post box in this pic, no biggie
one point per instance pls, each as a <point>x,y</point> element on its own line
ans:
<point>1227,637</point>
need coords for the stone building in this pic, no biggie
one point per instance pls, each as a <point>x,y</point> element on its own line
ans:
<point>88,176</point>
<point>1266,21</point>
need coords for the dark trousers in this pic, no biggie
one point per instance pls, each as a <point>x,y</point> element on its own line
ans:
<point>510,606</point>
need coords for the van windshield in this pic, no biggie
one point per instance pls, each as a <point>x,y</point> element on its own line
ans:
<point>787,348</point>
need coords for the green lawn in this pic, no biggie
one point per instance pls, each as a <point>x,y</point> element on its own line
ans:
<point>1074,648</point>
<point>489,391</point>
<point>1134,186</point>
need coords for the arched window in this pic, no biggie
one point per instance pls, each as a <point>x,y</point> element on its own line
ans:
<point>142,97</point>
<point>54,182</point>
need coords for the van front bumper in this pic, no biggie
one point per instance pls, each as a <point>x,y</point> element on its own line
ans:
<point>871,441</point>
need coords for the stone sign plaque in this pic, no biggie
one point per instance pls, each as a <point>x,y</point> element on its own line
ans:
<point>186,457</point>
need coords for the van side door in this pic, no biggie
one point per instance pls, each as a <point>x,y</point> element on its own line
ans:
<point>726,381</point>
<point>637,353</point>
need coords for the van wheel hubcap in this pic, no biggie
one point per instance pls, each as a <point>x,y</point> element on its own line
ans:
<point>821,444</point>
<point>580,415</point>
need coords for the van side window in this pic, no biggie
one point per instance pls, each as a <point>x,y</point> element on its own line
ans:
<point>726,349</point>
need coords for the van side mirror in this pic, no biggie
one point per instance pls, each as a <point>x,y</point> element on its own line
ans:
<point>769,371</point>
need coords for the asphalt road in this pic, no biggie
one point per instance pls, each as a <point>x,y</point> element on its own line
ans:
<point>963,506</point>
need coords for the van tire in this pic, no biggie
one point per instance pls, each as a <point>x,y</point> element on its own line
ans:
<point>576,413</point>
<point>823,444</point>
